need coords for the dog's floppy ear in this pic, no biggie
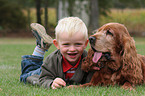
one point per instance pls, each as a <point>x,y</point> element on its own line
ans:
<point>131,68</point>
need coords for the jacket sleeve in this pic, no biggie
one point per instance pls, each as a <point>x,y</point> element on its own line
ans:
<point>49,71</point>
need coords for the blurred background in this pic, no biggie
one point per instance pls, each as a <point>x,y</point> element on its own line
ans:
<point>17,15</point>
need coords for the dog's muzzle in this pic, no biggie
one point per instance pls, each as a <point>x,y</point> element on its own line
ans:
<point>92,40</point>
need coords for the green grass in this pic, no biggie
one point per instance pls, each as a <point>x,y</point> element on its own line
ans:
<point>12,49</point>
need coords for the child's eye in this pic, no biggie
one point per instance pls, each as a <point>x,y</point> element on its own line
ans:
<point>65,44</point>
<point>78,43</point>
<point>109,33</point>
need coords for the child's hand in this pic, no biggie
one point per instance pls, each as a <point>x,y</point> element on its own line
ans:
<point>58,83</point>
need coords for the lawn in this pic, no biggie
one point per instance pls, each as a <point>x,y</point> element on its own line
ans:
<point>11,50</point>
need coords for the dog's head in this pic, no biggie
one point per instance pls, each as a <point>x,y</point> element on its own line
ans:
<point>110,38</point>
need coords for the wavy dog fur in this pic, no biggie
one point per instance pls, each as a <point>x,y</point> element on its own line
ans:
<point>124,66</point>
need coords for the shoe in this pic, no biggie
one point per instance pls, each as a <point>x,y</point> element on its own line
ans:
<point>43,40</point>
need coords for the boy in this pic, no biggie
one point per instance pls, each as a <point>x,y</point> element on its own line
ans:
<point>63,66</point>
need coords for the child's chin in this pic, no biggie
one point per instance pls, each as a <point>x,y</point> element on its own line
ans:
<point>72,61</point>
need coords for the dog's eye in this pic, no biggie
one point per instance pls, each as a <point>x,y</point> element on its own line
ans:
<point>109,33</point>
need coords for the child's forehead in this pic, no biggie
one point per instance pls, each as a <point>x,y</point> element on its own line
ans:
<point>72,34</point>
<point>73,37</point>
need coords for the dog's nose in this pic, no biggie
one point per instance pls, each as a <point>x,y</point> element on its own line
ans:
<point>92,40</point>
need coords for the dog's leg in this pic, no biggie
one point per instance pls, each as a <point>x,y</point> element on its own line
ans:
<point>142,65</point>
<point>86,85</point>
<point>127,86</point>
<point>80,86</point>
<point>143,68</point>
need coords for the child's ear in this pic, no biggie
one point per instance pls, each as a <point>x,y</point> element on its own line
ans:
<point>56,43</point>
<point>86,43</point>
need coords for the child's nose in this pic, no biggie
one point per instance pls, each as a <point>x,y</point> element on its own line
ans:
<point>72,48</point>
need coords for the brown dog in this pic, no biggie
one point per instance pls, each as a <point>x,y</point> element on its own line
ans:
<point>113,51</point>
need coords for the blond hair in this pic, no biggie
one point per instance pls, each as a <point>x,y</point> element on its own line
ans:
<point>71,25</point>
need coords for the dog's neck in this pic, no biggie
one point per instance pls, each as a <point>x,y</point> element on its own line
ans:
<point>114,63</point>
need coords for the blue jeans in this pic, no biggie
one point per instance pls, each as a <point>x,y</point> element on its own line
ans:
<point>30,65</point>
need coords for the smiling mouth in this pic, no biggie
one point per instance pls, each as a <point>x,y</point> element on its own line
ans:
<point>98,55</point>
<point>98,50</point>
<point>72,54</point>
<point>95,49</point>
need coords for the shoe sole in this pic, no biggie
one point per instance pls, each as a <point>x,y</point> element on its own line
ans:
<point>42,32</point>
<point>37,36</point>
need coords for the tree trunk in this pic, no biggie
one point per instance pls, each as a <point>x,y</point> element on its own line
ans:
<point>46,14</point>
<point>29,19</point>
<point>59,9</point>
<point>38,11</point>
<point>57,14</point>
<point>94,15</point>
<point>70,8</point>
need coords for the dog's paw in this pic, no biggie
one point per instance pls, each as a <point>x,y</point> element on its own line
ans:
<point>128,86</point>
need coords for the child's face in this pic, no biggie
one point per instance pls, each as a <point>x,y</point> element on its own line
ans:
<point>71,47</point>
